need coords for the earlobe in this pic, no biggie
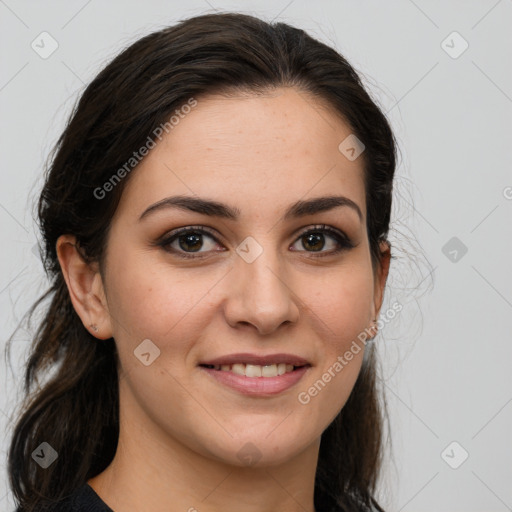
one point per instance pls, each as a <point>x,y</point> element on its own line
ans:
<point>85,288</point>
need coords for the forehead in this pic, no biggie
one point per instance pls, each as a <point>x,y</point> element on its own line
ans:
<point>255,152</point>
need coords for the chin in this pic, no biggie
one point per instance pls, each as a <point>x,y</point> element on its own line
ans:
<point>260,450</point>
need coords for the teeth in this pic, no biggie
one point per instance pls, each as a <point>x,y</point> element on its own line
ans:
<point>253,370</point>
<point>239,369</point>
<point>256,370</point>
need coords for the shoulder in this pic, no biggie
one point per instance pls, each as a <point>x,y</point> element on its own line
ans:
<point>83,499</point>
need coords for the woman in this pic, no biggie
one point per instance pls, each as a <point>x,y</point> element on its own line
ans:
<point>215,221</point>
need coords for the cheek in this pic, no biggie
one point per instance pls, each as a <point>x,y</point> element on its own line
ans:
<point>165,305</point>
<point>341,312</point>
<point>154,300</point>
<point>342,307</point>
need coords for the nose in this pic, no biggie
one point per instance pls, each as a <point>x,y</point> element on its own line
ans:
<point>259,294</point>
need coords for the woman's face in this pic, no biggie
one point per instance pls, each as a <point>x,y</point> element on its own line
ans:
<point>252,285</point>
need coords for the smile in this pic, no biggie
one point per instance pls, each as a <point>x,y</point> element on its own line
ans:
<point>255,380</point>
<point>254,370</point>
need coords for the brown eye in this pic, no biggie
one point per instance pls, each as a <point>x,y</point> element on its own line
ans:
<point>191,241</point>
<point>186,241</point>
<point>314,240</point>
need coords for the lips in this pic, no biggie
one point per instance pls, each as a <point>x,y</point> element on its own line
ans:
<point>257,375</point>
<point>254,370</point>
<point>254,359</point>
<point>255,386</point>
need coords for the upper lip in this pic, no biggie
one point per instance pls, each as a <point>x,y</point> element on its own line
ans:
<point>262,360</point>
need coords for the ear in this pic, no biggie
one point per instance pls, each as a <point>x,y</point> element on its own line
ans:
<point>381,276</point>
<point>85,286</point>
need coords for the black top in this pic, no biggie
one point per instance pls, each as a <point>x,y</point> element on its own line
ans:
<point>83,499</point>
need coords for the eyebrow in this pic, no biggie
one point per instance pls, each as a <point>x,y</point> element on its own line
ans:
<point>216,209</point>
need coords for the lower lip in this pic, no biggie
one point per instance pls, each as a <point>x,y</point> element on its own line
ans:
<point>258,386</point>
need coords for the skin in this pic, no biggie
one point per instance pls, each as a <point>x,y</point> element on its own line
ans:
<point>181,430</point>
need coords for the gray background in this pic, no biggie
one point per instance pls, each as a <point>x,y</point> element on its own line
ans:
<point>446,356</point>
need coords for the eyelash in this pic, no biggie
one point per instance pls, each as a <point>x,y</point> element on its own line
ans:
<point>344,243</point>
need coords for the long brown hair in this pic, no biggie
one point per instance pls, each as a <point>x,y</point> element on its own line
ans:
<point>76,410</point>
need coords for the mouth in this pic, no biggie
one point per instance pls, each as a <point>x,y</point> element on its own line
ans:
<point>255,370</point>
<point>255,375</point>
